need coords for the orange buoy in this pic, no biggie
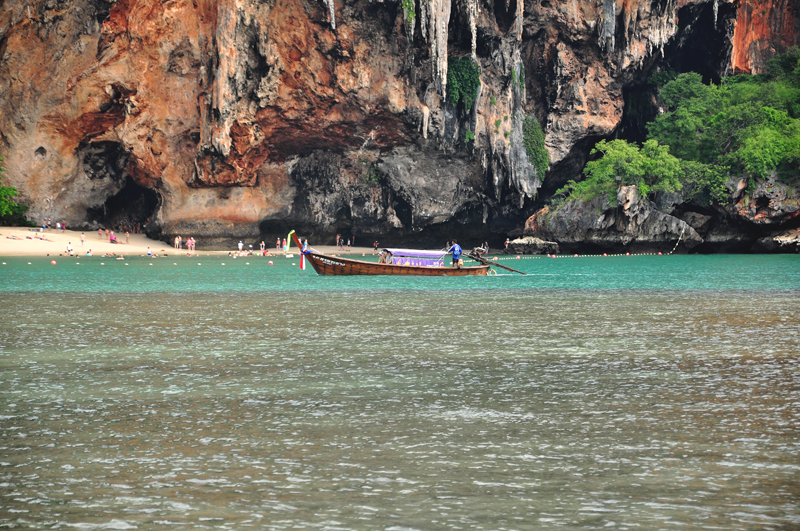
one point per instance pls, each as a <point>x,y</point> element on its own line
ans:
<point>576,256</point>
<point>604,254</point>
<point>270,262</point>
<point>627,254</point>
<point>53,262</point>
<point>659,254</point>
<point>518,257</point>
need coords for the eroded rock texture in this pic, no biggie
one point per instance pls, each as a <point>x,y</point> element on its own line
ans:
<point>756,221</point>
<point>763,28</point>
<point>230,119</point>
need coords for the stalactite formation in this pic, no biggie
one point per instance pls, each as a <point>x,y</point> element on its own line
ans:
<point>472,8</point>
<point>438,22</point>
<point>608,25</point>
<point>332,12</point>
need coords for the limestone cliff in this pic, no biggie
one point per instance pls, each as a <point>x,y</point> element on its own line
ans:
<point>762,29</point>
<point>229,119</point>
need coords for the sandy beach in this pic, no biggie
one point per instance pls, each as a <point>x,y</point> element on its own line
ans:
<point>28,241</point>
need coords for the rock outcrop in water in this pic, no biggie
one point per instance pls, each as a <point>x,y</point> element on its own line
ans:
<point>230,119</point>
<point>531,245</point>
<point>755,222</point>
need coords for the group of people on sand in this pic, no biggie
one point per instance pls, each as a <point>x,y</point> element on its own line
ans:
<point>47,224</point>
<point>71,252</point>
<point>340,242</point>
<point>190,243</point>
<point>262,249</point>
<point>109,235</point>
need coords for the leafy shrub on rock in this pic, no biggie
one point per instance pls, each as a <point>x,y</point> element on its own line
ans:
<point>463,80</point>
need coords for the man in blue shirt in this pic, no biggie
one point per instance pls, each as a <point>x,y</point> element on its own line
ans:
<point>456,250</point>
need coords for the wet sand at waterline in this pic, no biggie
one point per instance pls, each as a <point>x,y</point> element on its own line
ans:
<point>27,241</point>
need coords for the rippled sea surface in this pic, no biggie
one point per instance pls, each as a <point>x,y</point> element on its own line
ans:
<point>625,392</point>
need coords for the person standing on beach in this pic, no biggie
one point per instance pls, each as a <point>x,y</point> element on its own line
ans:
<point>127,237</point>
<point>99,234</point>
<point>69,248</point>
<point>262,246</point>
<point>284,245</point>
<point>348,244</point>
<point>241,246</point>
<point>83,239</point>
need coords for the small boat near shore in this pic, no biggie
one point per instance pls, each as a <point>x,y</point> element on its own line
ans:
<point>399,262</point>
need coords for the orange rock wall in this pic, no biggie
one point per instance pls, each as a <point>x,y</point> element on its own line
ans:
<point>242,115</point>
<point>763,28</point>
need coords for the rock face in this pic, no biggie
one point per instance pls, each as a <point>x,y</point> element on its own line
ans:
<point>233,119</point>
<point>531,245</point>
<point>632,224</point>
<point>674,222</point>
<point>762,29</point>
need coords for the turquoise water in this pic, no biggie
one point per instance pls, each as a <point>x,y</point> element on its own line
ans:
<point>209,274</point>
<point>622,392</point>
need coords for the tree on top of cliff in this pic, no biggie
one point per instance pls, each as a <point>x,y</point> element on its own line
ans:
<point>463,80</point>
<point>785,66</point>
<point>750,124</point>
<point>651,169</point>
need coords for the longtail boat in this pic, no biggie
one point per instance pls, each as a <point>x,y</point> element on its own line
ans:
<point>398,262</point>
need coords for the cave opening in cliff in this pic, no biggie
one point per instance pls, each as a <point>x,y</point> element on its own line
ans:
<point>702,43</point>
<point>505,13</point>
<point>132,206</point>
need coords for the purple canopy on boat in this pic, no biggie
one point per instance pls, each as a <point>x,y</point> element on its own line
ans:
<point>416,253</point>
<point>416,257</point>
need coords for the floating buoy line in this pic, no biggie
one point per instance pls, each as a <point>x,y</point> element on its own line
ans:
<point>497,258</point>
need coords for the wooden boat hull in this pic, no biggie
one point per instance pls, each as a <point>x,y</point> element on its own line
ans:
<point>334,265</point>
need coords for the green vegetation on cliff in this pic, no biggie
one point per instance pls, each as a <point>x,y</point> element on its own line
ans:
<point>651,168</point>
<point>463,80</point>
<point>408,7</point>
<point>10,212</point>
<point>533,140</point>
<point>748,126</point>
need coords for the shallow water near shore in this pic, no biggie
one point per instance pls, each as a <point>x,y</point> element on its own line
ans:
<point>622,392</point>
